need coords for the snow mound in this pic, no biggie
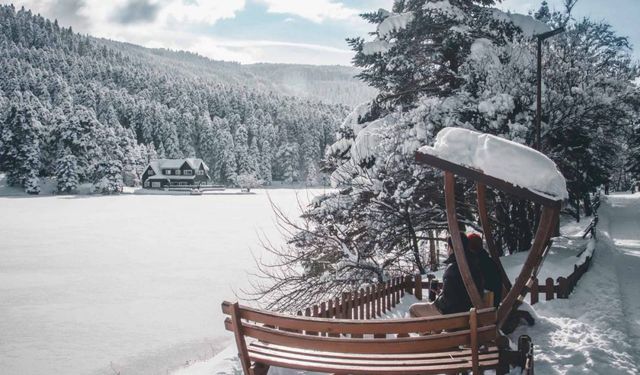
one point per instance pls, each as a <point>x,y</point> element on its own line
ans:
<point>500,158</point>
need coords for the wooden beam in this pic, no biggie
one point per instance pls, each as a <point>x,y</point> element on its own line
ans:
<point>486,228</point>
<point>238,331</point>
<point>545,228</point>
<point>458,249</point>
<point>485,179</point>
<point>473,329</point>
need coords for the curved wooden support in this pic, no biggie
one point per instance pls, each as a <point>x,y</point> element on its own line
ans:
<point>454,232</point>
<point>545,229</point>
<point>486,228</point>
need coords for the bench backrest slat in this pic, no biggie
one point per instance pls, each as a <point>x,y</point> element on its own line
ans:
<point>416,344</point>
<point>362,327</point>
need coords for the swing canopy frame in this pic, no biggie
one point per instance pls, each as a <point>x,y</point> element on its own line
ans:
<point>550,209</point>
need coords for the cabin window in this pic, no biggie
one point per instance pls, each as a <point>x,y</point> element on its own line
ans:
<point>151,172</point>
<point>167,171</point>
<point>200,172</point>
<point>146,184</point>
<point>177,172</point>
<point>155,184</point>
<point>188,172</point>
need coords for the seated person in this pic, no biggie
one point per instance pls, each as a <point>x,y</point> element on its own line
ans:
<point>490,271</point>
<point>454,297</point>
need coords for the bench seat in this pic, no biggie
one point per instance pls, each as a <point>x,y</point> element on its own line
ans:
<point>351,363</point>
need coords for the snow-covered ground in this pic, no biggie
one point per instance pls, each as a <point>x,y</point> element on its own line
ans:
<point>127,284</point>
<point>595,331</point>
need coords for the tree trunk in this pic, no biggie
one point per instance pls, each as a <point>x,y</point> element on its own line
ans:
<point>588,210</point>
<point>433,253</point>
<point>414,245</point>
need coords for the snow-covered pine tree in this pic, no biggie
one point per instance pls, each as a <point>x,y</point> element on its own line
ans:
<point>227,157</point>
<point>20,154</point>
<point>108,177</point>
<point>240,141</point>
<point>372,226</point>
<point>67,172</point>
<point>287,158</point>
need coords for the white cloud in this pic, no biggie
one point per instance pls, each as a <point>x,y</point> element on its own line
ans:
<point>201,11</point>
<point>316,10</point>
<point>175,23</point>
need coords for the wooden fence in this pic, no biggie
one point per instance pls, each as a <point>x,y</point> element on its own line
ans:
<point>561,288</point>
<point>374,301</point>
<point>367,303</point>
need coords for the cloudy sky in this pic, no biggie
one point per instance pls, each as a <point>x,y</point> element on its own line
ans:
<point>281,31</point>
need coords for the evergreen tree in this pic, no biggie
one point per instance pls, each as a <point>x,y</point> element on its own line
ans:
<point>67,172</point>
<point>108,177</point>
<point>20,154</point>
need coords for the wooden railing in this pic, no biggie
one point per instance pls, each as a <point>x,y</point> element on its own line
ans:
<point>373,301</point>
<point>561,288</point>
<point>369,302</point>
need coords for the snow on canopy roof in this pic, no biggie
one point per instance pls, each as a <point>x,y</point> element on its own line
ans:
<point>500,158</point>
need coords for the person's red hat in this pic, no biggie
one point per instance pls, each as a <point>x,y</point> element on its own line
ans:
<point>475,241</point>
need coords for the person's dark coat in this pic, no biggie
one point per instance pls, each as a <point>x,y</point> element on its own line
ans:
<point>454,297</point>
<point>491,275</point>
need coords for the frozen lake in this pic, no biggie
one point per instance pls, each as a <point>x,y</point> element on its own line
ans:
<point>97,285</point>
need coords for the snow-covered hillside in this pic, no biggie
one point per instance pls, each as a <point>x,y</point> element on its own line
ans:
<point>133,284</point>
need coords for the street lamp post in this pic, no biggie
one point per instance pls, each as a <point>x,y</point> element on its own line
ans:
<point>538,143</point>
<point>541,37</point>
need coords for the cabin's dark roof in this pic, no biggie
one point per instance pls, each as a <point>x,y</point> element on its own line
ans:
<point>161,164</point>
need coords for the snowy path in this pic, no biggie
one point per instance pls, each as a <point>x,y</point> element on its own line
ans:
<point>597,329</point>
<point>622,224</point>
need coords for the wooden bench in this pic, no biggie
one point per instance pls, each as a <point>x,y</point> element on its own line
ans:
<point>456,343</point>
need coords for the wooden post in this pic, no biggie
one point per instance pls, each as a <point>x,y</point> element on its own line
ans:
<point>524,350</point>
<point>378,296</point>
<point>362,300</point>
<point>241,344</point>
<point>473,330</point>
<point>550,289</point>
<point>393,292</point>
<point>418,287</point>
<point>430,284</point>
<point>367,303</point>
<point>458,249</point>
<point>388,294</point>
<point>344,309</point>
<point>408,285</point>
<point>563,288</point>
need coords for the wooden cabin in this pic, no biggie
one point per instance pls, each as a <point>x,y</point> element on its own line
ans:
<point>164,173</point>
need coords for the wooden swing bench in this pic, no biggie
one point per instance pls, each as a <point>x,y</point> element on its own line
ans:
<point>449,344</point>
<point>456,343</point>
